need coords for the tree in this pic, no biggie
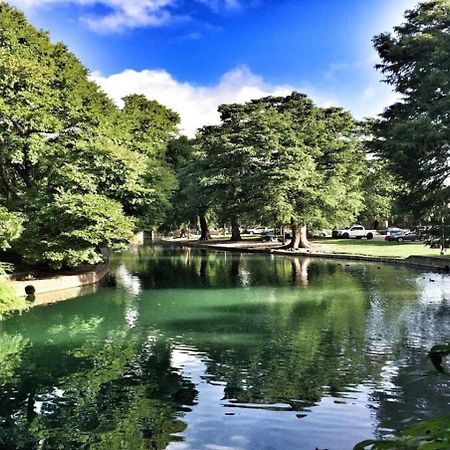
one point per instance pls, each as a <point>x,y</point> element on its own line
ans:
<point>148,127</point>
<point>10,227</point>
<point>69,231</point>
<point>222,165</point>
<point>281,159</point>
<point>413,134</point>
<point>61,138</point>
<point>198,193</point>
<point>183,212</point>
<point>380,189</point>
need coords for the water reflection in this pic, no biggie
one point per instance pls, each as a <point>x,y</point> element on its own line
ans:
<point>197,350</point>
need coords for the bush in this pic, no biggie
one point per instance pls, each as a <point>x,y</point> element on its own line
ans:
<point>10,227</point>
<point>69,231</point>
<point>9,300</point>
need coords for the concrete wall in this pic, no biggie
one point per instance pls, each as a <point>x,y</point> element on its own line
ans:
<point>428,261</point>
<point>46,298</point>
<point>59,282</point>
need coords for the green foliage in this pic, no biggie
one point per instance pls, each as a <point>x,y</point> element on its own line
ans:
<point>427,435</point>
<point>179,152</point>
<point>186,203</point>
<point>149,124</point>
<point>11,348</point>
<point>148,127</point>
<point>59,133</point>
<point>279,158</point>
<point>10,227</point>
<point>9,300</point>
<point>68,231</point>
<point>413,133</point>
<point>380,190</point>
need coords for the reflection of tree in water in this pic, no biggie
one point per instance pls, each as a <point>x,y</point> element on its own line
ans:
<point>292,349</point>
<point>284,350</point>
<point>163,267</point>
<point>11,348</point>
<point>101,380</point>
<point>300,271</point>
<point>89,384</point>
<point>407,329</point>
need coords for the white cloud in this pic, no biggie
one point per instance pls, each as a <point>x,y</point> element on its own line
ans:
<point>127,14</point>
<point>197,105</point>
<point>130,14</point>
<point>217,5</point>
<point>122,14</point>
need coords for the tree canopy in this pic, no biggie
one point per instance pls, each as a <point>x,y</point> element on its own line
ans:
<point>64,144</point>
<point>413,134</point>
<point>281,159</point>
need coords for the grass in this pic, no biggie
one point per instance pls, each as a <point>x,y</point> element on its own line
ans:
<point>377,248</point>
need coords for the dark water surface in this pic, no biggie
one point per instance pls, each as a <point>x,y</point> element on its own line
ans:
<point>216,351</point>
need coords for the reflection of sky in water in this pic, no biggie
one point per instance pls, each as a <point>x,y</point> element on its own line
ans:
<point>47,399</point>
<point>219,423</point>
<point>130,282</point>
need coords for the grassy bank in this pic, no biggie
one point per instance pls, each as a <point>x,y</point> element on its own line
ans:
<point>376,248</point>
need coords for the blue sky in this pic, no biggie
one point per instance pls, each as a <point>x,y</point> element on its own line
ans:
<point>192,55</point>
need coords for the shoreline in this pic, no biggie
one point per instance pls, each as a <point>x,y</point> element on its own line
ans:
<point>55,287</point>
<point>427,262</point>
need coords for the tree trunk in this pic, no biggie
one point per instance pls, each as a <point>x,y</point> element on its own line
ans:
<point>205,235</point>
<point>234,270</point>
<point>235,231</point>
<point>300,271</point>
<point>299,238</point>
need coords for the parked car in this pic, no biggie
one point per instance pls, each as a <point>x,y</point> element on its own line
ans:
<point>400,237</point>
<point>355,231</point>
<point>258,230</point>
<point>392,230</point>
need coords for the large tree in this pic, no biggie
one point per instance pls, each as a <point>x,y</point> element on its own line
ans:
<point>62,138</point>
<point>283,159</point>
<point>380,189</point>
<point>413,134</point>
<point>148,128</point>
<point>183,212</point>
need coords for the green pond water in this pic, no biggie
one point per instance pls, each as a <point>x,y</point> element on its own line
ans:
<point>220,351</point>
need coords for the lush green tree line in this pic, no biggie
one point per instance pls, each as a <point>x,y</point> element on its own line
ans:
<point>281,160</point>
<point>286,161</point>
<point>76,172</point>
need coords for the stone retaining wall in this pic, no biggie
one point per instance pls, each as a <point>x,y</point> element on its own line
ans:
<point>57,282</point>
<point>430,262</point>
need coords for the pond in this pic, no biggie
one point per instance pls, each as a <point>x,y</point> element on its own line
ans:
<point>219,351</point>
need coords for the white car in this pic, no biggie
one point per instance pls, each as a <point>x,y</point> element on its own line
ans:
<point>258,230</point>
<point>355,231</point>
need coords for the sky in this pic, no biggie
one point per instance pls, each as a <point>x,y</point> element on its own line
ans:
<point>193,55</point>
